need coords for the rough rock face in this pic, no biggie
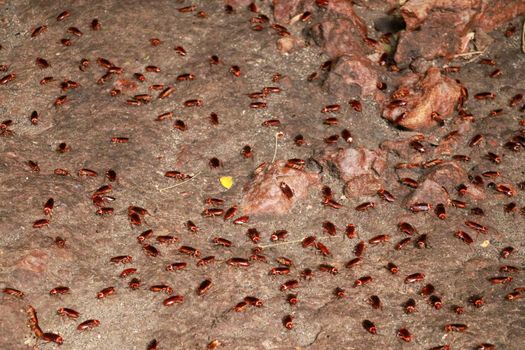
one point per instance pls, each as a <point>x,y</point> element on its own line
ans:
<point>265,196</point>
<point>496,13</point>
<point>415,12</point>
<point>338,37</point>
<point>352,70</point>
<point>284,10</point>
<point>432,94</point>
<point>359,168</point>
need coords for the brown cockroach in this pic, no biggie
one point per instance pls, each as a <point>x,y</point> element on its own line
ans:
<point>365,206</point>
<point>369,326</point>
<point>75,31</point>
<point>177,266</point>
<point>204,287</point>
<point>290,284</point>
<point>59,290</point>
<point>455,327</point>
<point>361,281</point>
<point>405,335</point>
<point>14,292</point>
<point>106,292</point>
<point>41,223</point>
<point>121,259</point>
<point>238,262</point>
<point>127,272</point>
<point>379,239</point>
<point>95,25</point>
<point>189,251</point>
<point>89,324</point>
<point>353,263</point>
<point>415,277</point>
<point>150,250</point>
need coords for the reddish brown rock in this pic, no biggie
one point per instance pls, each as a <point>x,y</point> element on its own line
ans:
<point>496,13</point>
<point>338,37</point>
<point>448,175</point>
<point>345,8</point>
<point>363,185</point>
<point>284,10</point>
<point>35,261</point>
<point>433,93</point>
<point>415,12</point>
<point>378,5</point>
<point>265,196</point>
<point>238,3</point>
<point>352,71</point>
<point>428,192</point>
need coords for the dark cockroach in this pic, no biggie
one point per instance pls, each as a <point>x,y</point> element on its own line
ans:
<point>278,235</point>
<point>214,59</point>
<point>241,220</point>
<point>307,274</point>
<point>375,302</point>
<point>477,301</point>
<point>60,242</point>
<point>465,237</point>
<point>331,108</point>
<point>177,266</point>
<point>485,96</point>
<point>496,112</point>
<point>52,337</point>
<point>346,136</point>
<point>48,206</point>
<point>64,311</point>
<point>459,310</point>
<point>238,262</point>
<point>415,277</point>
<point>14,292</point>
<point>175,299</point>
<point>515,100</point>
<point>379,239</point>
<point>38,30</point>
<point>392,268</point>
<point>104,78</point>
<point>286,190</point>
<point>455,327</point>
<point>329,228</point>
<point>106,292</point>
<point>241,306</point>
<point>206,260</point>
<point>133,209</point>
<point>331,139</point>
<point>167,239</point>
<point>180,125</point>
<point>328,268</point>
<point>150,250</point>
<point>161,288</point>
<point>475,226</point>
<point>409,182</point>
<point>427,290</point>
<point>353,262</point>
<point>186,76</point>
<point>8,78</point>
<point>440,211</point>
<point>247,152</point>
<point>359,249</point>
<point>119,140</point>
<point>89,324</point>
<point>63,148</point>
<point>41,223</point>
<point>496,73</point>
<point>271,122</point>
<point>214,163</point>
<point>189,251</point>
<point>322,248</point>
<point>75,31</point>
<point>59,290</point>
<point>105,211</point>
<point>291,284</point>
<point>66,42</point>
<point>134,283</point>
<point>61,172</point>
<point>361,281</point>
<point>292,299</point>
<point>42,63</point>
<point>369,327</point>
<point>421,241</point>
<point>222,241</point>
<point>487,61</point>
<point>235,70</point>
<point>350,231</point>
<point>254,301</point>
<point>506,252</point>
<point>95,25</point>
<point>510,207</point>
<point>63,15</point>
<point>386,196</point>
<point>420,207</point>
<point>309,241</point>
<point>214,119</point>
<point>404,334</point>
<point>365,206</point>
<point>204,287</point>
<point>410,306</point>
<point>288,321</point>
<point>127,272</point>
<point>121,259</point>
<point>84,64</point>
<point>139,76</point>
<point>153,345</point>
<point>436,302</point>
<point>284,261</point>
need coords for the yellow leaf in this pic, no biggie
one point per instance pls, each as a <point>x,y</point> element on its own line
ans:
<point>226,181</point>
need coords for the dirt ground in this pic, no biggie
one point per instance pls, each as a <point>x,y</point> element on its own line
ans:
<point>32,262</point>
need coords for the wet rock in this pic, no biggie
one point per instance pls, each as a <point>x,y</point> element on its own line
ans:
<point>352,74</point>
<point>265,196</point>
<point>359,168</point>
<point>432,94</point>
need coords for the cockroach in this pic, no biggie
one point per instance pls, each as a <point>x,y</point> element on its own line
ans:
<point>258,105</point>
<point>140,77</point>
<point>407,228</point>
<point>420,207</point>
<point>14,292</point>
<point>441,347</point>
<point>455,327</point>
<point>238,262</point>
<point>134,283</point>
<point>284,261</point>
<point>322,248</point>
<point>161,288</point>
<point>75,31</point>
<point>61,172</point>
<point>66,42</point>
<point>241,306</point>
<point>278,235</point>
<point>505,190</point>
<point>127,272</point>
<point>309,241</point>
<point>271,122</point>
<point>509,268</point>
<point>515,100</point>
<point>175,299</point>
<point>404,334</point>
<point>500,279</point>
<point>89,324</point>
<point>485,96</point>
<point>410,306</point>
<point>63,148</point>
<point>513,296</point>
<point>105,211</point>
<point>63,15</point>
<point>506,252</point>
<point>214,344</point>
<point>329,228</point>
<point>365,206</point>
<point>185,77</point>
<point>104,78</point>
<point>415,277</point>
<point>369,327</point>
<point>87,172</point>
<point>64,311</point>
<point>150,250</point>
<point>169,90</point>
<point>241,220</point>
<point>427,290</point>
<point>52,337</point>
<point>459,310</point>
<point>359,249</point>
<point>189,251</point>
<point>121,259</point>
<point>392,268</point>
<point>487,61</point>
<point>235,70</point>
<point>477,301</point>
<point>436,302</point>
<point>153,345</point>
<point>331,108</point>
<point>60,242</point>
<point>491,174</point>
<point>307,274</point>
<point>271,90</point>
<point>286,190</point>
<point>331,139</point>
<point>375,302</point>
<point>452,69</point>
<point>496,73</point>
<point>41,223</point>
<point>295,163</point>
<point>379,239</point>
<point>60,100</point>
<point>106,292</point>
<point>361,281</point>
<point>214,59</point>
<point>288,321</point>
<point>486,346</point>
<point>475,226</point>
<point>119,140</point>
<point>513,146</point>
<point>290,284</point>
<point>462,189</point>
<point>211,212</point>
<point>409,182</point>
<point>214,163</point>
<point>143,98</point>
<point>461,158</point>
<point>204,287</point>
<point>176,175</point>
<point>59,290</point>
<point>292,299</point>
<point>180,125</point>
<point>328,268</point>
<point>206,260</point>
<point>496,112</point>
<point>167,239</point>
<point>230,213</point>
<point>8,78</point>
<point>214,119</point>
<point>177,266</point>
<point>95,25</point>
<point>187,9</point>
<point>42,63</point>
<point>38,30</point>
<point>48,206</point>
<point>386,196</point>
<point>154,42</point>
<point>440,211</point>
<point>350,231</point>
<point>253,301</point>
<point>164,116</point>
<point>353,262</point>
<point>465,237</point>
<point>421,242</point>
<point>222,241</point>
<point>152,69</point>
<point>137,210</point>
